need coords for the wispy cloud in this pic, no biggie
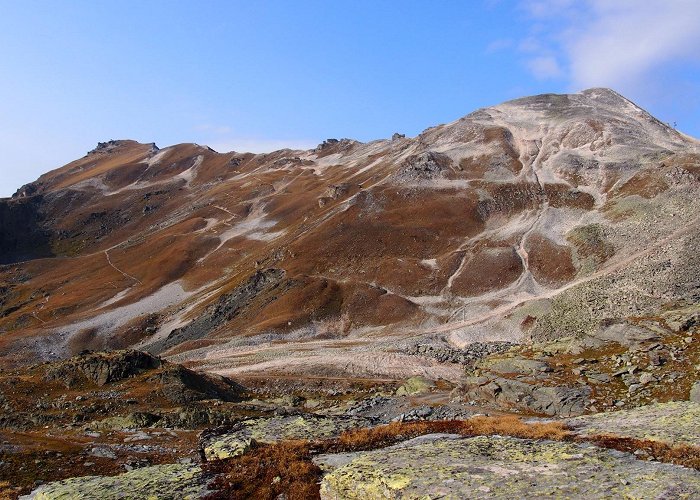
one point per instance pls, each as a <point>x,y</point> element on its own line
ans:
<point>617,43</point>
<point>497,45</point>
<point>544,67</point>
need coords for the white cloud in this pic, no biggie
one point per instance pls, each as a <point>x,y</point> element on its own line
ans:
<point>498,45</point>
<point>610,43</point>
<point>629,39</point>
<point>544,68</point>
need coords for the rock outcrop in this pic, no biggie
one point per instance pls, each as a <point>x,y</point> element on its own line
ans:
<point>174,481</point>
<point>236,441</point>
<point>500,467</point>
<point>676,422</point>
<point>102,368</point>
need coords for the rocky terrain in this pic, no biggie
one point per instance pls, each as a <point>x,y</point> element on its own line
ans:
<point>183,323</point>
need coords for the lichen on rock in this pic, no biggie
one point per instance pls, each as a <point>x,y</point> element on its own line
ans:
<point>270,430</point>
<point>676,422</point>
<point>172,481</point>
<point>504,467</point>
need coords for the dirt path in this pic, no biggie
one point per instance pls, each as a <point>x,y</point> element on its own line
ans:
<point>611,268</point>
<point>126,275</point>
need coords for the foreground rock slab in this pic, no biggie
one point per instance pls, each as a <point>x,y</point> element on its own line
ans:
<point>441,466</point>
<point>270,430</point>
<point>676,422</point>
<point>172,481</point>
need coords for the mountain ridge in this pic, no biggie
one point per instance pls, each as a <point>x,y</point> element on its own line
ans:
<point>475,230</point>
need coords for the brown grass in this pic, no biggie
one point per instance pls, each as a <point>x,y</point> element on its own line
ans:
<point>287,468</point>
<point>268,472</point>
<point>682,454</point>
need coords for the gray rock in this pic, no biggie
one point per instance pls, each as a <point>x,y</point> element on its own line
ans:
<point>102,368</point>
<point>625,334</point>
<point>695,392</point>
<point>103,452</point>
<point>677,422</point>
<point>425,166</point>
<point>501,467</point>
<point>515,366</point>
<point>552,400</point>
<point>598,378</point>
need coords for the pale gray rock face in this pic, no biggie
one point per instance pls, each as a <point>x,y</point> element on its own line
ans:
<point>510,393</point>
<point>271,430</point>
<point>173,481</point>
<point>673,423</point>
<point>695,392</point>
<point>501,467</point>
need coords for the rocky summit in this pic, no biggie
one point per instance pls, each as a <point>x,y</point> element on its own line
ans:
<point>505,305</point>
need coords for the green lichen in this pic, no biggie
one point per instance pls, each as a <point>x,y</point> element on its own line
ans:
<point>501,467</point>
<point>173,481</point>
<point>415,385</point>
<point>676,422</point>
<point>271,430</point>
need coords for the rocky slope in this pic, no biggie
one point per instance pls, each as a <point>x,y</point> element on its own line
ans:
<point>539,258</point>
<point>534,219</point>
<point>126,423</point>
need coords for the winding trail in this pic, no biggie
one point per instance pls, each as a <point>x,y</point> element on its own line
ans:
<point>126,275</point>
<point>694,226</point>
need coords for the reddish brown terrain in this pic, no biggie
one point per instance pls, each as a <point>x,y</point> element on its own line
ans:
<point>335,262</point>
<point>260,313</point>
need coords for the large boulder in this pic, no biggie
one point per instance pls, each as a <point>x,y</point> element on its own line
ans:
<point>102,368</point>
<point>182,385</point>
<point>442,466</point>
<point>515,394</point>
<point>236,441</point>
<point>173,481</point>
<point>673,423</point>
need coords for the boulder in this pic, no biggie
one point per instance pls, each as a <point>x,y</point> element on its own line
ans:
<point>624,334</point>
<point>442,466</point>
<point>510,393</point>
<point>695,392</point>
<point>673,423</point>
<point>182,385</point>
<point>415,385</point>
<point>425,166</point>
<point>172,481</point>
<point>515,366</point>
<point>102,368</point>
<point>235,441</point>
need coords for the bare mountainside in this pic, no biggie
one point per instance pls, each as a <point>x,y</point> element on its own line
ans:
<point>542,217</point>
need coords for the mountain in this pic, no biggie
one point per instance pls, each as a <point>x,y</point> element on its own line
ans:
<point>539,218</point>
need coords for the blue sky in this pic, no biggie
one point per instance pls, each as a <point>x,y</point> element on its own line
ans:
<point>258,76</point>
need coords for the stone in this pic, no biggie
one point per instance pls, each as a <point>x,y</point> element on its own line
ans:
<point>414,386</point>
<point>500,467</point>
<point>695,392</point>
<point>102,452</point>
<point>547,400</point>
<point>425,166</point>
<point>625,334</point>
<point>674,423</point>
<point>598,378</point>
<point>101,368</point>
<point>172,481</point>
<point>241,437</point>
<point>656,358</point>
<point>514,366</point>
